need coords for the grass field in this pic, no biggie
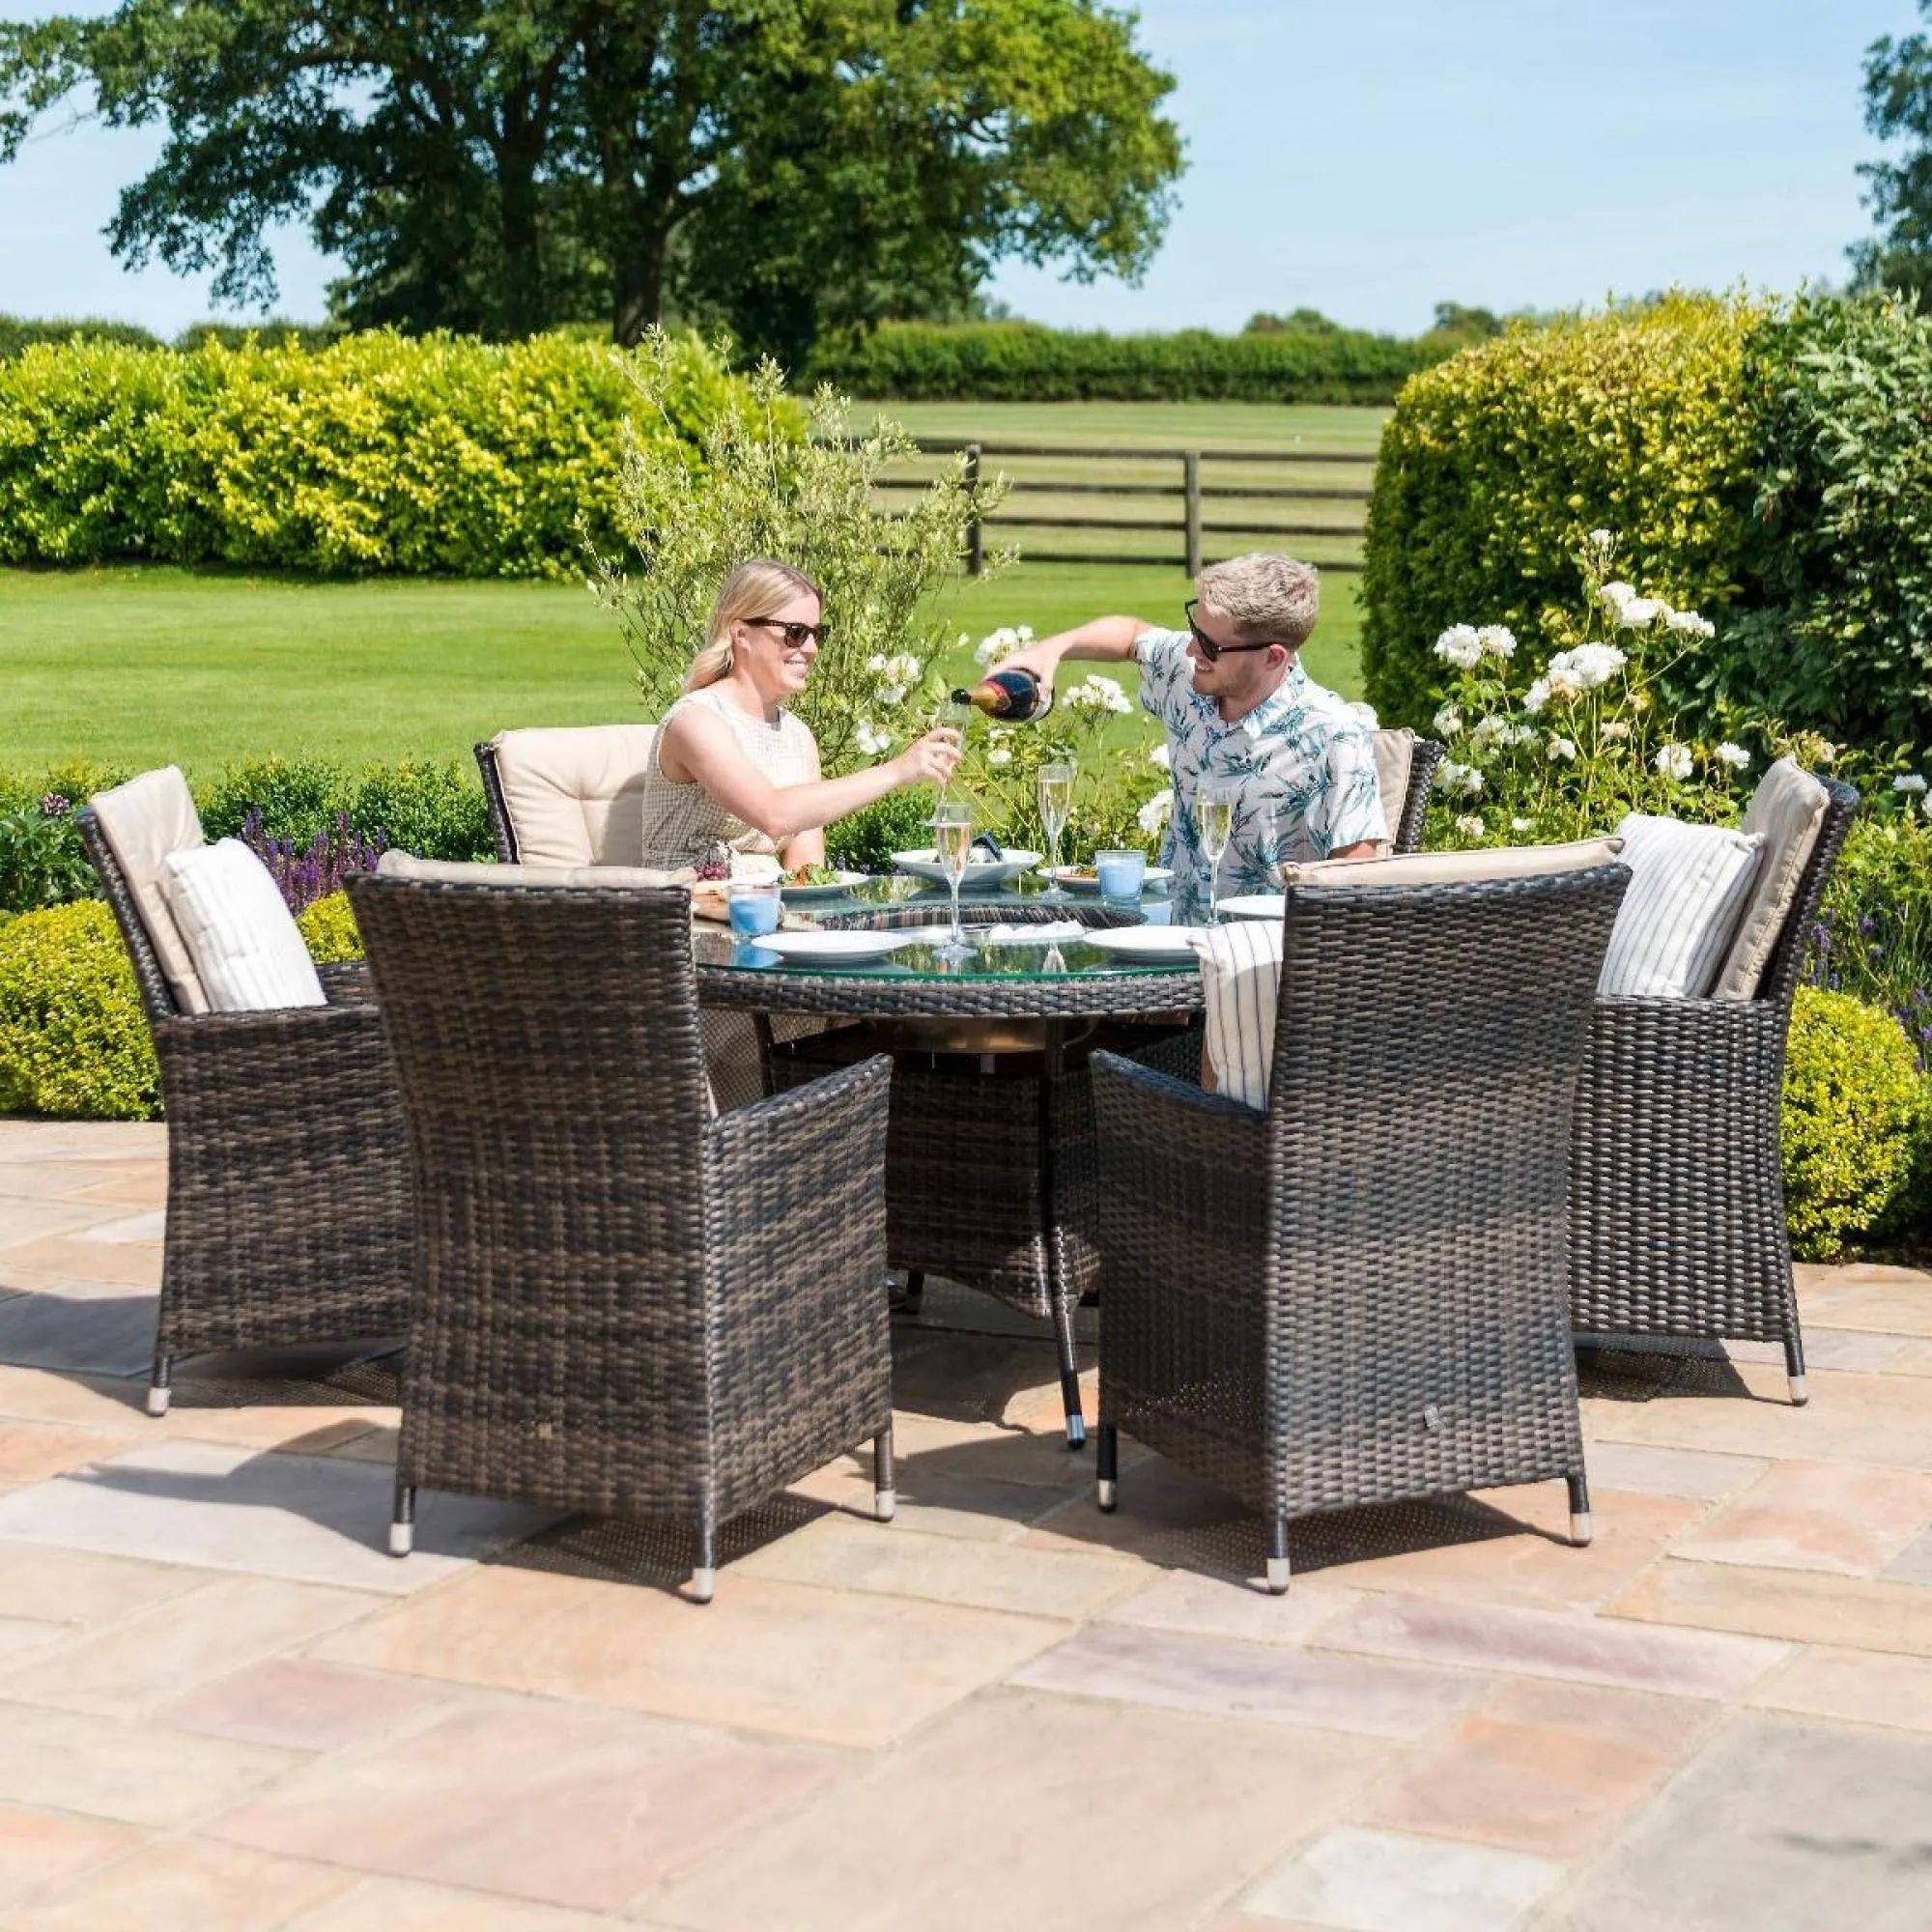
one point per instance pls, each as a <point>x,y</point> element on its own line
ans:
<point>139,666</point>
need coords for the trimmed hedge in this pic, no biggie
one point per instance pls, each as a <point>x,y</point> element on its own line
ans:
<point>381,452</point>
<point>1499,463</point>
<point>1026,362</point>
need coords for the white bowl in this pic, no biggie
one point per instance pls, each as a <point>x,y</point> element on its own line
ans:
<point>1064,877</point>
<point>833,889</point>
<point>1147,944</point>
<point>849,946</point>
<point>1254,905</point>
<point>980,870</point>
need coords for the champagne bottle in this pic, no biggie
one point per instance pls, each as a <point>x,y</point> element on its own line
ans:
<point>1012,696</point>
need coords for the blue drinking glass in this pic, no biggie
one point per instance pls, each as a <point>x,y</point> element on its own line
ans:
<point>753,909</point>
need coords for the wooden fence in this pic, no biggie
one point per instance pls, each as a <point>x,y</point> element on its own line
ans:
<point>1194,485</point>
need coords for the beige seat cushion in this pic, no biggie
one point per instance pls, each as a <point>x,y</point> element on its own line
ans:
<point>1395,754</point>
<point>395,865</point>
<point>575,793</point>
<point>143,821</point>
<point>1457,868</point>
<point>1788,811</point>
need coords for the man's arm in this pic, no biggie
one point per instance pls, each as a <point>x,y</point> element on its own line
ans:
<point>1099,640</point>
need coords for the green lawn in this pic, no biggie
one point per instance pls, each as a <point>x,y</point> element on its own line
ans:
<point>141,666</point>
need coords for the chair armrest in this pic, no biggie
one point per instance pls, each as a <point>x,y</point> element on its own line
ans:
<point>348,983</point>
<point>1146,1091</point>
<point>1174,1157</point>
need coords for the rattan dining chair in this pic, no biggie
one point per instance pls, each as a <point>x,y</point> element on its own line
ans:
<point>288,1214</point>
<point>1678,1179</point>
<point>624,1303</point>
<point>1405,769</point>
<point>1360,1294</point>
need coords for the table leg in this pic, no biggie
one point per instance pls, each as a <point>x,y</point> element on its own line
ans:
<point>1060,1291</point>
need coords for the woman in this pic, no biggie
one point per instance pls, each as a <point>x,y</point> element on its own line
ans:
<point>731,765</point>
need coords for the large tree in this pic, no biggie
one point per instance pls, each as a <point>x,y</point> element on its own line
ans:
<point>788,166</point>
<point>1899,190</point>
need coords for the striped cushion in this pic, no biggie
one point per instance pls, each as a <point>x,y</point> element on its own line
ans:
<point>247,949</point>
<point>1241,987</point>
<point>1689,887</point>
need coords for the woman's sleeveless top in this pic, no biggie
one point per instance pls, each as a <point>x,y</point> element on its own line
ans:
<point>683,822</point>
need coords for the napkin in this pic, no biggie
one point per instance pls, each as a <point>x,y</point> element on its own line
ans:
<point>1048,932</point>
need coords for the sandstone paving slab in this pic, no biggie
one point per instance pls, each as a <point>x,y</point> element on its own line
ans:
<point>1548,1768</point>
<point>1226,1677</point>
<point>1914,1563</point>
<point>1863,1687</point>
<point>26,1222</point>
<point>50,1180</point>
<point>84,1589</point>
<point>1556,1644</point>
<point>41,1850</point>
<point>1776,1826</point>
<point>154,1655</point>
<point>1866,1294</point>
<point>400,1905</point>
<point>186,1886</point>
<point>130,1264</point>
<point>1366,1881</point>
<point>837,1552</point>
<point>1802,1607</point>
<point>108,1403</point>
<point>147,1226</point>
<point>843,1668</point>
<point>1019,1808</point>
<point>122,1769</point>
<point>1216,1606</point>
<point>32,1451</point>
<point>564,1805</point>
<point>307,1518</point>
<point>297,1704</point>
<point>123,1183</point>
<point>103,1334</point>
<point>21,1637</point>
<point>1865,1350</point>
<point>1630,1468</point>
<point>935,1502</point>
<point>1842,1516</point>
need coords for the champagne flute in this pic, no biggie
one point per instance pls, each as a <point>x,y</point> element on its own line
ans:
<point>1214,823</point>
<point>952,715</point>
<point>1056,802</point>
<point>953,847</point>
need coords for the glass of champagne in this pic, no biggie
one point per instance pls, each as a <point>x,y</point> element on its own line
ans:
<point>1056,802</point>
<point>1214,823</point>
<point>952,716</point>
<point>953,847</point>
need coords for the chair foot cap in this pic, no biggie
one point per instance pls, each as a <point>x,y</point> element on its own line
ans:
<point>885,1504</point>
<point>402,1538</point>
<point>1076,1432</point>
<point>703,1585</point>
<point>1107,1493</point>
<point>158,1398</point>
<point>1277,1575</point>
<point>1799,1395</point>
<point>1579,1528</point>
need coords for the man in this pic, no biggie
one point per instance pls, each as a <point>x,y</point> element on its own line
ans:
<point>1240,711</point>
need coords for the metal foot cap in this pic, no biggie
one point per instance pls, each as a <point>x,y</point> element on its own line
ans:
<point>1579,1528</point>
<point>1798,1395</point>
<point>158,1398</point>
<point>703,1585</point>
<point>1076,1432</point>
<point>885,1504</point>
<point>402,1538</point>
<point>1107,1492</point>
<point>1277,1575</point>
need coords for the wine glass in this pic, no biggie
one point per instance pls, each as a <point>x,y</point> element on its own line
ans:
<point>1056,802</point>
<point>952,847</point>
<point>1214,823</point>
<point>952,715</point>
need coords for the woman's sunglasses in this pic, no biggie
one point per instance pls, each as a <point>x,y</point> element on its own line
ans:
<point>1215,652</point>
<point>795,634</point>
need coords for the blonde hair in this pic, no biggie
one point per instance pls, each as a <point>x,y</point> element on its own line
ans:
<point>755,588</point>
<point>1264,596</point>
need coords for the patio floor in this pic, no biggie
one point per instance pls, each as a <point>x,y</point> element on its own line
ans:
<point>223,1708</point>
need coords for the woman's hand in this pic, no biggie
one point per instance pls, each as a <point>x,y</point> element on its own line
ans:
<point>931,759</point>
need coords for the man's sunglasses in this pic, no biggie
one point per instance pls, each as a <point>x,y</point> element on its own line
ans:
<point>795,634</point>
<point>1215,652</point>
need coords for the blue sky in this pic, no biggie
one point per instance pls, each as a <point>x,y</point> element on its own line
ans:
<point>1367,159</point>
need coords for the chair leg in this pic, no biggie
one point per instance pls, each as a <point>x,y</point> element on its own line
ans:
<point>1794,1368</point>
<point>885,1497</point>
<point>1579,1509</point>
<point>158,1384</point>
<point>1069,1376</point>
<point>914,1296</point>
<point>403,1520</point>
<point>704,1570</point>
<point>1107,1468</point>
<point>1277,1557</point>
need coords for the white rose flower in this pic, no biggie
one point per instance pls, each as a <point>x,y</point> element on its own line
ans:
<point>1602,540</point>
<point>1639,613</point>
<point>1616,730</point>
<point>1152,815</point>
<point>1458,781</point>
<point>1673,761</point>
<point>1536,697</point>
<point>1925,806</point>
<point>1688,624</point>
<point>1615,594</point>
<point>1470,825</point>
<point>1448,720</point>
<point>999,755</point>
<point>1827,752</point>
<point>1909,782</point>
<point>1525,824</point>
<point>876,661</point>
<point>1524,735</point>
<point>1490,732</point>
<point>1564,681</point>
<point>872,740</point>
<point>1024,634</point>
<point>1561,750</point>
<point>1497,639</point>
<point>1162,756</point>
<point>1460,646</point>
<point>1739,760</point>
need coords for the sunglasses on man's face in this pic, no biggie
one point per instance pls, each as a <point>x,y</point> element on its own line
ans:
<point>795,634</point>
<point>1215,652</point>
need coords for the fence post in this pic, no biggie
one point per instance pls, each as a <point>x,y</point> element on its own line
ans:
<point>976,536</point>
<point>1190,467</point>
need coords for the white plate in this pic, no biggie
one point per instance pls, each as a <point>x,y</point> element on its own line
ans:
<point>1254,905</point>
<point>831,889</point>
<point>980,870</point>
<point>1048,932</point>
<point>1148,943</point>
<point>850,947</point>
<point>1062,876</point>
